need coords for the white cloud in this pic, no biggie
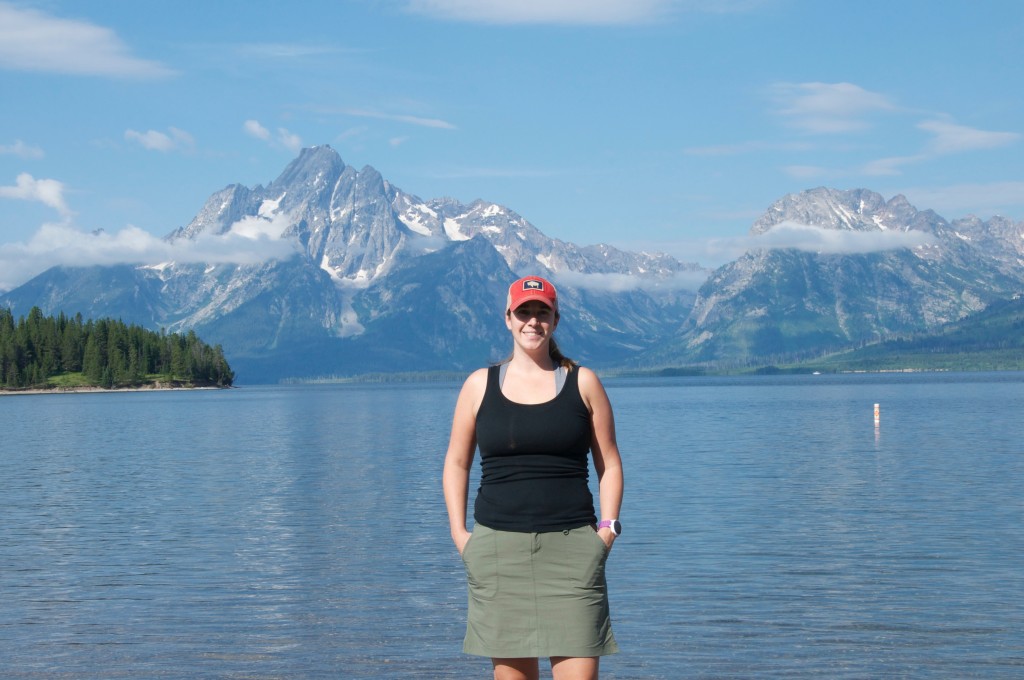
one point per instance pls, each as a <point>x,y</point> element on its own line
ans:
<point>836,241</point>
<point>22,150</point>
<point>159,141</point>
<point>983,200</point>
<point>254,129</point>
<point>828,108</point>
<point>31,40</point>
<point>257,227</point>
<point>285,138</point>
<point>401,118</point>
<point>578,12</point>
<point>49,192</point>
<point>62,244</point>
<point>838,108</point>
<point>953,138</point>
<point>619,283</point>
<point>541,11</point>
<point>289,140</point>
<point>249,241</point>
<point>883,167</point>
<point>948,138</point>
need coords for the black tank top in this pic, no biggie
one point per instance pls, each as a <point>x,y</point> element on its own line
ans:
<point>533,459</point>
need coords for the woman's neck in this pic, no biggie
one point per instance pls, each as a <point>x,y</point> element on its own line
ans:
<point>532,361</point>
<point>529,379</point>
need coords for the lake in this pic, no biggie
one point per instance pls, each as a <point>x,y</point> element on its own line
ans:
<point>771,530</point>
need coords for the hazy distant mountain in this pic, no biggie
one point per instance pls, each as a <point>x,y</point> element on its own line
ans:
<point>772,304</point>
<point>381,281</point>
<point>992,339</point>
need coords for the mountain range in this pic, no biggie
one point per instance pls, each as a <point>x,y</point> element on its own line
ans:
<point>368,278</point>
<point>777,304</point>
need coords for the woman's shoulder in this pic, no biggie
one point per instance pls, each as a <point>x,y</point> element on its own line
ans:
<point>472,393</point>
<point>590,386</point>
<point>477,377</point>
<point>586,376</point>
<point>476,382</point>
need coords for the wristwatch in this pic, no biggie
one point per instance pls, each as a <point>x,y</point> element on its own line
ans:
<point>613,524</point>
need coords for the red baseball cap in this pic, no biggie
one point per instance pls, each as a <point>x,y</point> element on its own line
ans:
<point>531,288</point>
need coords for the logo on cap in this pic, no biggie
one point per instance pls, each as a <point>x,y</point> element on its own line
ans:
<point>533,284</point>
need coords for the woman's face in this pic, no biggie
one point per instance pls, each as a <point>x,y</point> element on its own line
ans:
<point>531,324</point>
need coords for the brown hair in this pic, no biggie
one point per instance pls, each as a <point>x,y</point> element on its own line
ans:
<point>559,358</point>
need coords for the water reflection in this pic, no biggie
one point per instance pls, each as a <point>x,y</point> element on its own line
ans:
<point>771,531</point>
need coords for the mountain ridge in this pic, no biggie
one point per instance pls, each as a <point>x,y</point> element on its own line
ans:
<point>775,303</point>
<point>371,279</point>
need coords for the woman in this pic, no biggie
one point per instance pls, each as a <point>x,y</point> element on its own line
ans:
<point>535,559</point>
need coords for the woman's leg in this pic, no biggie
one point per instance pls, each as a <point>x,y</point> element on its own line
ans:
<point>574,667</point>
<point>516,669</point>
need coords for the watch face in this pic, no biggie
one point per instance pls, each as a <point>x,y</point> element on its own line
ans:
<point>616,527</point>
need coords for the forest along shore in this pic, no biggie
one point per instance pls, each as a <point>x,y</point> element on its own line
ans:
<point>79,390</point>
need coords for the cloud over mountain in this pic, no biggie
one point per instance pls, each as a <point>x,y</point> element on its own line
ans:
<point>249,241</point>
<point>837,242</point>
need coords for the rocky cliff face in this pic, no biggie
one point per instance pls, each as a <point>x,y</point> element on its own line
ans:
<point>374,279</point>
<point>380,280</point>
<point>902,271</point>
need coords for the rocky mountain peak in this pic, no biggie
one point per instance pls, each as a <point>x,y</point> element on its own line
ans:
<point>220,211</point>
<point>388,281</point>
<point>853,209</point>
<point>317,165</point>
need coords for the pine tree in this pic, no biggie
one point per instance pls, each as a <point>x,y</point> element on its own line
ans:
<point>108,353</point>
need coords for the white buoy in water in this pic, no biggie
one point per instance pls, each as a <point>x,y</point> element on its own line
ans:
<point>876,414</point>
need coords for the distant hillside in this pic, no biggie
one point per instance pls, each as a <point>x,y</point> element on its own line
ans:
<point>369,279</point>
<point>992,339</point>
<point>855,269</point>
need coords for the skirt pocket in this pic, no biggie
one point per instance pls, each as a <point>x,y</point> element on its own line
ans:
<point>590,556</point>
<point>480,557</point>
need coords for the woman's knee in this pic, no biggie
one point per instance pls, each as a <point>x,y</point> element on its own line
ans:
<point>575,667</point>
<point>516,669</point>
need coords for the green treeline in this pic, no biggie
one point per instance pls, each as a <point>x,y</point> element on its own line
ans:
<point>106,353</point>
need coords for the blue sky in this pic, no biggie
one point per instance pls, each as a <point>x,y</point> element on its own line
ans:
<point>664,125</point>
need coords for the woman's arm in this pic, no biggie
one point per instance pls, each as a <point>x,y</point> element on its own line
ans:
<point>604,447</point>
<point>459,458</point>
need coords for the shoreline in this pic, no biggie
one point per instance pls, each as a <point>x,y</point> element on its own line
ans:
<point>104,390</point>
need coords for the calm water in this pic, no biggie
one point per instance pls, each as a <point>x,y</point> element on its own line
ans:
<point>772,531</point>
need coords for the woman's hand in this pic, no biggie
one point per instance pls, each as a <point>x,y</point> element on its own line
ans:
<point>461,539</point>
<point>607,536</point>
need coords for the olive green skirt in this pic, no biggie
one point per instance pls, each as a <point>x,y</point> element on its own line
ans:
<point>537,594</point>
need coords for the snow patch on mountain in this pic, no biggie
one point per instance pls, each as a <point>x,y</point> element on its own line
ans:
<point>349,322</point>
<point>453,228</point>
<point>160,267</point>
<point>418,218</point>
<point>546,261</point>
<point>270,206</point>
<point>325,264</point>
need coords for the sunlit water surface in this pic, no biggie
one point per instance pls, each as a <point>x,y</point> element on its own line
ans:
<point>772,530</point>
